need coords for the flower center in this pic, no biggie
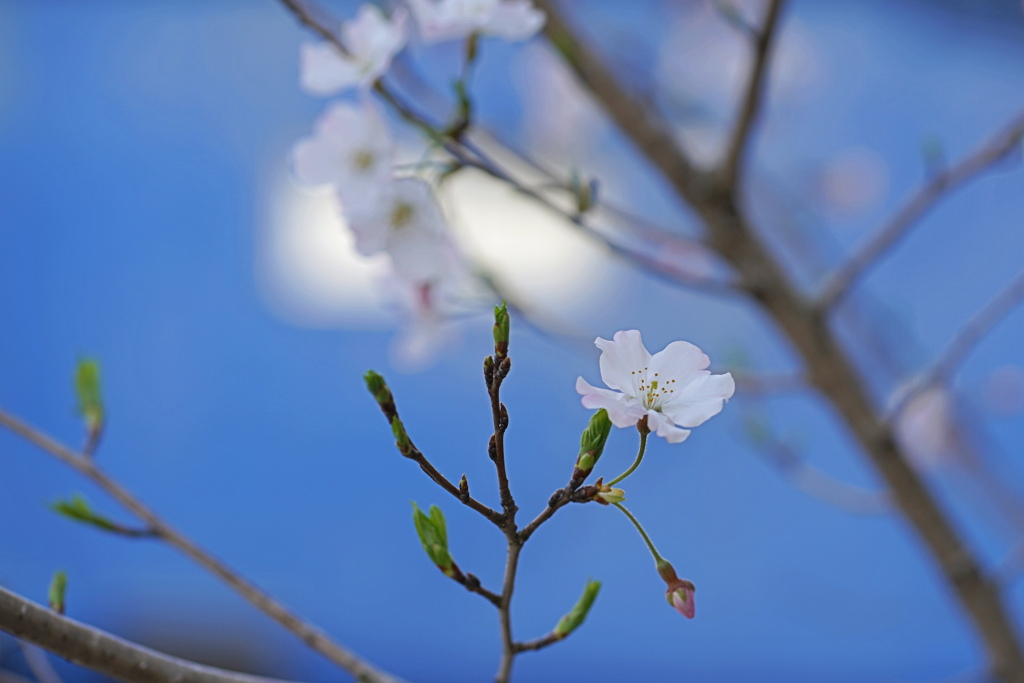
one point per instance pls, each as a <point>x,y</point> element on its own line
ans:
<point>401,215</point>
<point>362,160</point>
<point>654,392</point>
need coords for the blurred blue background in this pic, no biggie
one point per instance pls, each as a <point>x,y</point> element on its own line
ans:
<point>143,151</point>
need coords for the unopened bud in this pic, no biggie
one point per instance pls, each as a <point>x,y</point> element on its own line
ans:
<point>381,393</point>
<point>58,587</point>
<point>464,489</point>
<point>607,495</point>
<point>571,621</point>
<point>501,331</point>
<point>679,592</point>
<point>90,399</point>
<point>592,444</point>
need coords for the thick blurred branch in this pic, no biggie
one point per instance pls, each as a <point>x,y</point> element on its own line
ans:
<point>732,166</point>
<point>935,190</point>
<point>101,651</point>
<point>309,634</point>
<point>828,367</point>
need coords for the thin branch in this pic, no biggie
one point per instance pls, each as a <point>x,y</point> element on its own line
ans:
<point>538,643</point>
<point>508,650</point>
<point>732,165</point>
<point>305,631</point>
<point>936,189</point>
<point>495,372</point>
<point>472,584</point>
<point>101,651</point>
<point>957,350</point>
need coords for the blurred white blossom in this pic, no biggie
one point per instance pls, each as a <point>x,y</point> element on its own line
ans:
<point>441,20</point>
<point>371,41</point>
<point>350,149</point>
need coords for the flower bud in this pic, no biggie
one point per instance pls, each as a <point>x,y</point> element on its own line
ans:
<point>681,598</point>
<point>607,495</point>
<point>679,592</point>
<point>58,587</point>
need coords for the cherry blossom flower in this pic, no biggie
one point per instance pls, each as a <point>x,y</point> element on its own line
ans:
<point>672,387</point>
<point>441,20</point>
<point>350,149</point>
<point>405,221</point>
<point>371,40</point>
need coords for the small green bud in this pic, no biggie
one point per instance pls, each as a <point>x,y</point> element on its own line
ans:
<point>586,462</point>
<point>593,439</point>
<point>571,621</point>
<point>398,429</point>
<point>433,533</point>
<point>58,587</point>
<point>78,509</point>
<point>501,330</point>
<point>87,389</point>
<point>381,393</point>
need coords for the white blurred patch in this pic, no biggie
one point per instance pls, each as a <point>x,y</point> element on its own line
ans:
<point>308,269</point>
<point>925,429</point>
<point>310,274</point>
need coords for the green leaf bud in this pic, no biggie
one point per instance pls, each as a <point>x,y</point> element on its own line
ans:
<point>78,509</point>
<point>87,389</point>
<point>58,587</point>
<point>571,621</point>
<point>501,330</point>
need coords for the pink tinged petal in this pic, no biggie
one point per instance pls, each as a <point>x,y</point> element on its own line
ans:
<point>700,400</point>
<point>661,425</point>
<point>514,20</point>
<point>622,411</point>
<point>323,70</point>
<point>623,361</point>
<point>682,600</point>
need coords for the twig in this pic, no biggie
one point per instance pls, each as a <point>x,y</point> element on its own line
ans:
<point>102,652</point>
<point>538,643</point>
<point>305,631</point>
<point>495,371</point>
<point>738,144</point>
<point>472,584</point>
<point>957,350</point>
<point>508,650</point>
<point>936,189</point>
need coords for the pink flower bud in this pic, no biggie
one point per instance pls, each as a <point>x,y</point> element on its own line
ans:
<point>680,596</point>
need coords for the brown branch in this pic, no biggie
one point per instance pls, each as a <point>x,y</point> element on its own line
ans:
<point>472,584</point>
<point>305,631</point>
<point>828,368</point>
<point>957,350</point>
<point>102,652</point>
<point>538,643</point>
<point>732,165</point>
<point>495,371</point>
<point>935,190</point>
<point>508,650</point>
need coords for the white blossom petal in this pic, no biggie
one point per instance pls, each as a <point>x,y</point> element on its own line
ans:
<point>700,400</point>
<point>621,411</point>
<point>323,70</point>
<point>661,425</point>
<point>623,359</point>
<point>514,20</point>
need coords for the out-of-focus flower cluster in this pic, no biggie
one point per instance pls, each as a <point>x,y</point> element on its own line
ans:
<point>352,150</point>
